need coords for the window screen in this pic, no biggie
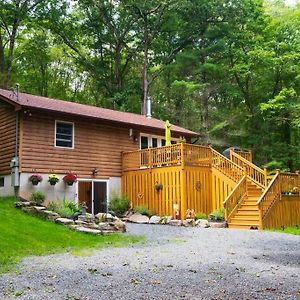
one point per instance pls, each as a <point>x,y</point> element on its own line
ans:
<point>64,134</point>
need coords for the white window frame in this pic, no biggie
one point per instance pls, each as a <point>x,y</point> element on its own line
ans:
<point>151,136</point>
<point>73,134</point>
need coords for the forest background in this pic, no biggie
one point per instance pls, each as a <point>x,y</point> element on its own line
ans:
<point>227,69</point>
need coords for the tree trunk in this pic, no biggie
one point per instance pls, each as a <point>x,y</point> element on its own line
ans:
<point>145,82</point>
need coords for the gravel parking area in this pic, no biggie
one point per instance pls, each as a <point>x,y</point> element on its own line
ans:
<point>174,263</point>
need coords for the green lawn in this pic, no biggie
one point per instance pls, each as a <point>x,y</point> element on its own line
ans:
<point>291,230</point>
<point>22,235</point>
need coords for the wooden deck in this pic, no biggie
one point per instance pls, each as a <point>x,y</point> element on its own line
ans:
<point>171,179</point>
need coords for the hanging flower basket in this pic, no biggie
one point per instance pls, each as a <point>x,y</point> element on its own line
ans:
<point>35,179</point>
<point>53,179</point>
<point>70,178</point>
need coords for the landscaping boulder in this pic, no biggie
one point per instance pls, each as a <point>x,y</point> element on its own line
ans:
<point>51,215</point>
<point>87,230</point>
<point>175,222</point>
<point>202,223</point>
<point>154,220</point>
<point>119,225</point>
<point>64,221</point>
<point>217,224</point>
<point>138,218</point>
<point>39,208</point>
<point>22,203</point>
<point>188,223</point>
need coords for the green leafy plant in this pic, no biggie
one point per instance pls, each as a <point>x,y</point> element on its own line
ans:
<point>200,215</point>
<point>37,197</point>
<point>65,208</point>
<point>143,210</point>
<point>119,204</point>
<point>217,215</point>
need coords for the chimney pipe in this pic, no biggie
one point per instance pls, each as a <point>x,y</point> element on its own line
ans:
<point>148,107</point>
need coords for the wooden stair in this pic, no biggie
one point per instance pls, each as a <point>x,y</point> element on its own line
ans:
<point>247,213</point>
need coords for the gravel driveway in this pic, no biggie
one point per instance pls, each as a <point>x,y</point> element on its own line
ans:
<point>174,263</point>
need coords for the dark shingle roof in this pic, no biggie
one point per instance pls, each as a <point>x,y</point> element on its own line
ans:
<point>55,105</point>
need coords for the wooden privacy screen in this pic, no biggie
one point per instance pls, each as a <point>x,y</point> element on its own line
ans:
<point>162,189</point>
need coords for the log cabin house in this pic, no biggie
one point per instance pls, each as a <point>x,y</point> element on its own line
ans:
<point>124,152</point>
<point>45,136</point>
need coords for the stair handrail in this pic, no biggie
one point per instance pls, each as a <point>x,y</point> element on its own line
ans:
<point>245,154</point>
<point>235,197</point>
<point>258,175</point>
<point>269,197</point>
<point>226,166</point>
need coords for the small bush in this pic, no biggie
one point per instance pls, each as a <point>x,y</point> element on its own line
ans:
<point>200,215</point>
<point>119,204</point>
<point>217,215</point>
<point>37,197</point>
<point>65,209</point>
<point>143,210</point>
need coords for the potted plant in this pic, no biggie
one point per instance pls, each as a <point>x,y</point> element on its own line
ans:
<point>53,179</point>
<point>70,178</point>
<point>35,178</point>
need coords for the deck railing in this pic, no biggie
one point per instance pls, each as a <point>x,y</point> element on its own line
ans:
<point>258,175</point>
<point>281,184</point>
<point>233,200</point>
<point>245,154</point>
<point>226,166</point>
<point>177,154</point>
<point>271,194</point>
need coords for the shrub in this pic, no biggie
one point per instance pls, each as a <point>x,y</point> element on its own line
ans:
<point>65,208</point>
<point>119,204</point>
<point>200,215</point>
<point>37,197</point>
<point>143,210</point>
<point>217,215</point>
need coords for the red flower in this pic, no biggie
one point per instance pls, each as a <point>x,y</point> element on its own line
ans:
<point>70,178</point>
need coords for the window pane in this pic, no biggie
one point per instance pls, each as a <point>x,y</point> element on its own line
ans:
<point>163,142</point>
<point>1,181</point>
<point>64,135</point>
<point>154,142</point>
<point>144,142</point>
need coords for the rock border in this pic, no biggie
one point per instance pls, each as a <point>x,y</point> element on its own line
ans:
<point>100,224</point>
<point>167,220</point>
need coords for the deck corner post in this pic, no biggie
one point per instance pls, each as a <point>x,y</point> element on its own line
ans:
<point>182,155</point>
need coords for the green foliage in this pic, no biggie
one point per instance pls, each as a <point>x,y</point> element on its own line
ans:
<point>65,208</point>
<point>119,204</point>
<point>227,69</point>
<point>200,215</point>
<point>34,236</point>
<point>290,230</point>
<point>37,197</point>
<point>217,215</point>
<point>143,210</point>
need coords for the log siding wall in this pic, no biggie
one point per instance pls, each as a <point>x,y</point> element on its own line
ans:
<point>95,146</point>
<point>8,136</point>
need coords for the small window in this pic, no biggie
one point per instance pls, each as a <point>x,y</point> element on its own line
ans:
<point>64,134</point>
<point>1,181</point>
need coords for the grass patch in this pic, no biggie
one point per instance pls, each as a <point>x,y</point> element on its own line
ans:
<point>24,235</point>
<point>290,230</point>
